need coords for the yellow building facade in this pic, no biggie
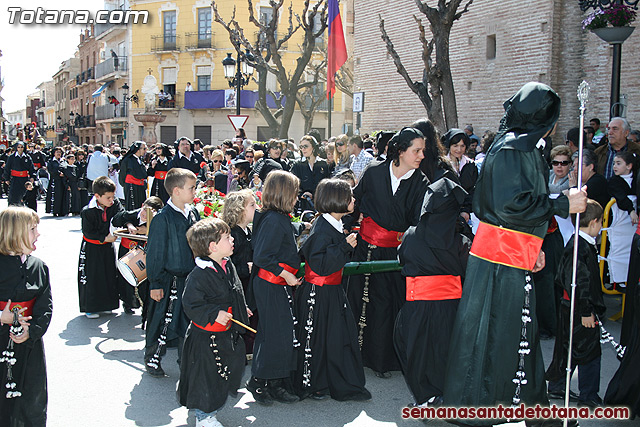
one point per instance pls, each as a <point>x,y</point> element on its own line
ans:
<point>182,44</point>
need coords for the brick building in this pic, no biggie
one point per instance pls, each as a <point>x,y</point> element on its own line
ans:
<point>495,48</point>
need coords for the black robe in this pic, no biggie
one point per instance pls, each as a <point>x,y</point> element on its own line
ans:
<point>242,256</point>
<point>157,187</point>
<point>20,164</point>
<point>209,289</point>
<point>275,345</point>
<point>83,183</point>
<point>423,327</point>
<point>97,273</point>
<point>134,194</point>
<point>126,291</point>
<point>619,189</point>
<point>24,282</point>
<point>39,159</point>
<point>53,168</point>
<point>597,189</point>
<point>588,301</point>
<point>180,161</point>
<point>511,192</point>
<point>59,193</point>
<point>334,364</point>
<point>374,198</point>
<point>309,179</point>
<point>71,176</point>
<point>169,258</point>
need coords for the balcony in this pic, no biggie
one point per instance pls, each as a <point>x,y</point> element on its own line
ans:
<point>109,112</point>
<point>199,40</point>
<point>85,76</point>
<point>85,122</point>
<point>169,104</point>
<point>104,28</point>
<point>105,68</point>
<point>165,43</point>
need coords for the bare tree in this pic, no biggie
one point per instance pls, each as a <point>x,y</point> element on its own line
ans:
<point>267,51</point>
<point>435,90</point>
<point>310,98</point>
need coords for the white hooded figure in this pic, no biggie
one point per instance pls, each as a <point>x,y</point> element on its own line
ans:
<point>150,90</point>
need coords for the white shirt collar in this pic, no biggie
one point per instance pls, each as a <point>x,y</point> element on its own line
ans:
<point>184,212</point>
<point>180,155</point>
<point>541,144</point>
<point>94,204</point>
<point>586,237</point>
<point>204,263</point>
<point>395,182</point>
<point>335,223</point>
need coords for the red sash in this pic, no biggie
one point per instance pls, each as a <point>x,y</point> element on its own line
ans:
<point>21,174</point>
<point>638,229</point>
<point>374,234</point>
<point>272,278</point>
<point>28,304</point>
<point>216,327</point>
<point>332,279</point>
<point>37,165</point>
<point>553,225</point>
<point>433,288</point>
<point>127,243</point>
<point>130,179</point>
<point>95,242</point>
<point>160,175</point>
<point>501,245</point>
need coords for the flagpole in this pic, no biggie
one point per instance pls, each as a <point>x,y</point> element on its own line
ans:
<point>329,117</point>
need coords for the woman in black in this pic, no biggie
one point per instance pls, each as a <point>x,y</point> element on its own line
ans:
<point>83,183</point>
<point>389,196</point>
<point>133,176</point>
<point>310,171</point>
<point>456,142</point>
<point>158,170</point>
<point>71,177</point>
<point>25,282</point>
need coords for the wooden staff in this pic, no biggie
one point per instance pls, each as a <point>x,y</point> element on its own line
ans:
<point>248,328</point>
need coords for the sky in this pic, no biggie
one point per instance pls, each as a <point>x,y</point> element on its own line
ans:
<point>32,54</point>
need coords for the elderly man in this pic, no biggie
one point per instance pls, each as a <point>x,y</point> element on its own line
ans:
<point>618,131</point>
<point>185,158</point>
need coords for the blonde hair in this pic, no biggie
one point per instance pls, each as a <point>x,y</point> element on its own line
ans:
<point>280,191</point>
<point>234,205</point>
<point>344,157</point>
<point>216,153</point>
<point>560,150</point>
<point>15,222</point>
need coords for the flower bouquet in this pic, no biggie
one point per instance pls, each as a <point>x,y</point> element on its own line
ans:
<point>616,15</point>
<point>208,202</point>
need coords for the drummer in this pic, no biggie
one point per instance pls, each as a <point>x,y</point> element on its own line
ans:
<point>135,221</point>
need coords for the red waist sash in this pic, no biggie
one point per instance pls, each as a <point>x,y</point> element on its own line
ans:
<point>216,327</point>
<point>553,225</point>
<point>127,243</point>
<point>374,234</point>
<point>433,288</point>
<point>272,278</point>
<point>160,175</point>
<point>95,242</point>
<point>332,279</point>
<point>638,229</point>
<point>130,179</point>
<point>507,247</point>
<point>28,304</point>
<point>37,165</point>
<point>21,174</point>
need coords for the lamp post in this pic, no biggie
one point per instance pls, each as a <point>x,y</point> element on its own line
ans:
<point>71,123</point>
<point>238,72</point>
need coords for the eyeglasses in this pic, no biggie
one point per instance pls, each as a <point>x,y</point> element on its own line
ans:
<point>248,157</point>
<point>339,143</point>
<point>217,161</point>
<point>302,147</point>
<point>563,163</point>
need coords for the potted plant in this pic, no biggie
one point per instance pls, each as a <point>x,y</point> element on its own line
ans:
<point>611,24</point>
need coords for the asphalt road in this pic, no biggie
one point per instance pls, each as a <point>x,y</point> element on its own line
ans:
<point>96,375</point>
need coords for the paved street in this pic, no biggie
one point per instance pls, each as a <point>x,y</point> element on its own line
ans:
<point>96,375</point>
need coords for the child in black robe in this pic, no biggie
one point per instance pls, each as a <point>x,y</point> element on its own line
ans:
<point>169,261</point>
<point>331,364</point>
<point>97,275</point>
<point>213,355</point>
<point>133,176</point>
<point>71,177</point>
<point>136,223</point>
<point>434,258</point>
<point>589,305</point>
<point>275,263</point>
<point>30,197</point>
<point>239,209</point>
<point>24,282</point>
<point>158,170</point>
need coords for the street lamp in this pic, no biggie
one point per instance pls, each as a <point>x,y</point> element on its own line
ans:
<point>238,72</point>
<point>71,123</point>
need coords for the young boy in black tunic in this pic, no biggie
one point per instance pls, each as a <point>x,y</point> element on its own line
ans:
<point>213,354</point>
<point>589,305</point>
<point>97,276</point>
<point>331,364</point>
<point>169,261</point>
<point>30,197</point>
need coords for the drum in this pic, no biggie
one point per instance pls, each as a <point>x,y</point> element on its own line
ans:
<point>133,266</point>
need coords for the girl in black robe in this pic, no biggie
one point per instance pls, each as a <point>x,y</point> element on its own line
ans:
<point>389,208</point>
<point>275,263</point>
<point>83,182</point>
<point>25,282</point>
<point>59,192</point>
<point>331,363</point>
<point>133,176</point>
<point>53,167</point>
<point>71,177</point>
<point>158,170</point>
<point>97,275</point>
<point>434,258</point>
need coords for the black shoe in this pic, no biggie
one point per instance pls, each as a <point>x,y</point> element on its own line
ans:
<point>573,397</point>
<point>128,310</point>
<point>279,393</point>
<point>318,395</point>
<point>154,369</point>
<point>362,396</point>
<point>590,403</point>
<point>384,375</point>
<point>258,389</point>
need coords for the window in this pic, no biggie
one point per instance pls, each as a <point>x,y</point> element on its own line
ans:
<point>204,27</point>
<point>168,135</point>
<point>169,30</point>
<point>204,82</point>
<point>491,46</point>
<point>317,23</point>
<point>266,16</point>
<point>203,133</point>
<point>169,76</point>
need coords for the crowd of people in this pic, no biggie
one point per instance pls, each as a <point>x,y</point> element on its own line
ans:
<point>481,228</point>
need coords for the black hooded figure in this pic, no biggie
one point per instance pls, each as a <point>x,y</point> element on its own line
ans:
<point>133,177</point>
<point>434,257</point>
<point>159,171</point>
<point>495,356</point>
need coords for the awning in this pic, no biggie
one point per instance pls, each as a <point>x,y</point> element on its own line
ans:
<point>99,91</point>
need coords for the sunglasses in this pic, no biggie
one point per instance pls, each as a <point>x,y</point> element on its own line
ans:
<point>217,161</point>
<point>302,147</point>
<point>248,157</point>
<point>339,144</point>
<point>563,163</point>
